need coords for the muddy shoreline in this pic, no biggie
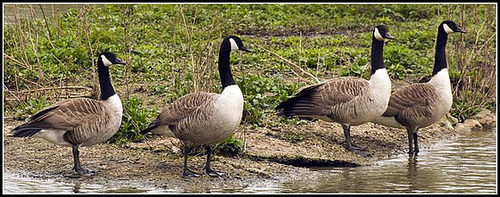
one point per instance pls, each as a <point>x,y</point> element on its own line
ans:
<point>271,155</point>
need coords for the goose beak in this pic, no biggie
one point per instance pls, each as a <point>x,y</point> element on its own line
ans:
<point>460,30</point>
<point>388,36</point>
<point>243,48</point>
<point>119,61</point>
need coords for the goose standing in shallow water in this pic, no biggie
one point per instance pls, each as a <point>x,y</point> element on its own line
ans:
<point>349,101</point>
<point>422,104</point>
<point>204,118</point>
<point>80,121</point>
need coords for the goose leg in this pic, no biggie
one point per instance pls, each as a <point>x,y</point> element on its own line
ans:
<point>410,141</point>
<point>350,145</point>
<point>77,166</point>
<point>208,168</point>
<point>415,140</point>
<point>186,172</point>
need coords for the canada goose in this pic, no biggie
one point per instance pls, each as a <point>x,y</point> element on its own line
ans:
<point>204,118</point>
<point>349,101</point>
<point>79,121</point>
<point>422,104</point>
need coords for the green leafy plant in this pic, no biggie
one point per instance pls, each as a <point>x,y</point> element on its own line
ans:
<point>229,147</point>
<point>171,50</point>
<point>34,105</point>
<point>135,118</point>
<point>263,93</point>
<point>396,71</point>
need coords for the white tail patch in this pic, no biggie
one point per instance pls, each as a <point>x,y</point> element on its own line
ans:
<point>447,29</point>
<point>377,35</point>
<point>164,131</point>
<point>54,136</point>
<point>387,121</point>
<point>105,60</point>
<point>234,46</point>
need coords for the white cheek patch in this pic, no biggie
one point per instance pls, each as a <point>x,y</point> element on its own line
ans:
<point>447,29</point>
<point>234,46</point>
<point>105,60</point>
<point>377,35</point>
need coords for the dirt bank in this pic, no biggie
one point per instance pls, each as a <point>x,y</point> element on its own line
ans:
<point>271,151</point>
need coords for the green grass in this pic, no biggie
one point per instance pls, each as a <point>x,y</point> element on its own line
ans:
<point>135,119</point>
<point>229,147</point>
<point>171,50</point>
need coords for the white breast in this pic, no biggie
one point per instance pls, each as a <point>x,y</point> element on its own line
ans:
<point>441,81</point>
<point>114,104</point>
<point>228,113</point>
<point>380,87</point>
<point>231,105</point>
<point>115,108</point>
<point>381,84</point>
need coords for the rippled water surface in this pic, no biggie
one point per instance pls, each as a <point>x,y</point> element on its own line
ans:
<point>466,164</point>
<point>463,165</point>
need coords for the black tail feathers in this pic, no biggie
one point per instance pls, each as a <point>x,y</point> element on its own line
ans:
<point>150,127</point>
<point>300,105</point>
<point>25,132</point>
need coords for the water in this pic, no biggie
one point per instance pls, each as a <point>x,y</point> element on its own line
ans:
<point>17,183</point>
<point>463,165</point>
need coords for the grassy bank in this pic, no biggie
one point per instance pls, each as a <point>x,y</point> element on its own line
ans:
<point>171,50</point>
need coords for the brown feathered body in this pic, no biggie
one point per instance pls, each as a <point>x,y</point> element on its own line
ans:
<point>202,117</point>
<point>79,121</point>
<point>346,100</point>
<point>419,105</point>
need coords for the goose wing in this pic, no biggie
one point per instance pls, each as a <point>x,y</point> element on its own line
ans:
<point>65,115</point>
<point>342,90</point>
<point>320,99</point>
<point>345,97</point>
<point>411,103</point>
<point>182,108</point>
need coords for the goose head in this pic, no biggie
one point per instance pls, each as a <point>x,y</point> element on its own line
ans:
<point>381,32</point>
<point>237,44</point>
<point>450,27</point>
<point>108,59</point>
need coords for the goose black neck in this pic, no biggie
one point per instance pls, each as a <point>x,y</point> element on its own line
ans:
<point>377,57</point>
<point>104,81</point>
<point>224,70</point>
<point>440,58</point>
